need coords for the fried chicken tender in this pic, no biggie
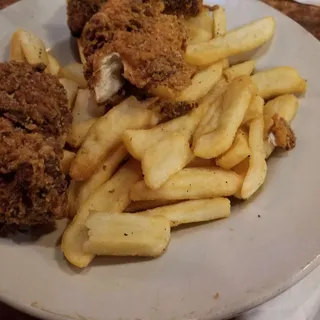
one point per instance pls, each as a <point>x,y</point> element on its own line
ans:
<point>33,189</point>
<point>79,12</point>
<point>150,43</point>
<point>283,134</point>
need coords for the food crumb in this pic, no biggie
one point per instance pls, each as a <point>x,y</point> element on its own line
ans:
<point>112,191</point>
<point>259,216</point>
<point>125,234</point>
<point>216,296</point>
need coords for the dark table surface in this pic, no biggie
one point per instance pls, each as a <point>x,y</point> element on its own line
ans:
<point>307,16</point>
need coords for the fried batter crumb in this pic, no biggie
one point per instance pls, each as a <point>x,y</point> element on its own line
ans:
<point>284,136</point>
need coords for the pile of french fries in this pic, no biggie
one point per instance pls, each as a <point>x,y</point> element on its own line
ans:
<point>134,178</point>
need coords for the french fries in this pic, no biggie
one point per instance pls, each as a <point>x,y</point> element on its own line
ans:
<point>235,104</point>
<point>279,81</point>
<point>74,72</point>
<point>219,22</point>
<point>66,161</point>
<point>138,141</point>
<point>71,88</point>
<point>113,196</point>
<point>240,40</point>
<point>164,159</point>
<point>192,211</point>
<point>254,111</point>
<point>237,153</point>
<point>188,166</point>
<point>191,183</point>
<point>257,164</point>
<point>125,234</point>
<point>79,132</point>
<point>16,53</point>
<point>32,47</point>
<point>106,134</point>
<point>53,65</point>
<point>242,69</point>
<point>102,174</point>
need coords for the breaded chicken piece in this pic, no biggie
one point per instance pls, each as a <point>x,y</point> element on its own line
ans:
<point>150,43</point>
<point>79,12</point>
<point>33,100</point>
<point>33,189</point>
<point>284,137</point>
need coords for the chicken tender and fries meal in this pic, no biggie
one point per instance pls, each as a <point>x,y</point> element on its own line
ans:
<point>152,130</point>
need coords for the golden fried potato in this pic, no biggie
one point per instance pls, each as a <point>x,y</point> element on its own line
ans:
<point>242,69</point>
<point>240,40</point>
<point>74,72</point>
<point>191,183</point>
<point>219,22</point>
<point>16,52</point>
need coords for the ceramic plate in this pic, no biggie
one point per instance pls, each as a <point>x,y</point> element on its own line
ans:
<point>211,271</point>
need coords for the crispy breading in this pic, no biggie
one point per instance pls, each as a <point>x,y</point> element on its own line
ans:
<point>151,44</point>
<point>33,99</point>
<point>80,11</point>
<point>284,136</point>
<point>171,109</point>
<point>33,189</point>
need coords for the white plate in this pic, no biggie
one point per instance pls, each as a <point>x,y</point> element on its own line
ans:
<point>246,259</point>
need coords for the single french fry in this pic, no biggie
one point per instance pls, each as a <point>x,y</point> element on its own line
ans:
<point>202,83</point>
<point>66,161</point>
<point>192,211</point>
<point>106,134</point>
<point>279,81</point>
<point>79,132</point>
<point>241,69</point>
<point>197,35</point>
<point>113,196</point>
<point>203,20</point>
<point>54,65</point>
<point>136,206</point>
<point>16,53</point>
<point>71,88</point>
<point>191,183</point>
<point>240,40</point>
<point>286,106</point>
<point>167,157</point>
<point>74,71</point>
<point>102,174</point>
<point>237,153</point>
<point>235,104</point>
<point>125,234</point>
<point>85,107</point>
<point>257,164</point>
<point>241,169</point>
<point>219,22</point>
<point>210,120</point>
<point>254,111</point>
<point>33,48</point>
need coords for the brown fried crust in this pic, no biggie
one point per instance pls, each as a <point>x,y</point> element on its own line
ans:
<point>32,188</point>
<point>33,99</point>
<point>284,136</point>
<point>151,44</point>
